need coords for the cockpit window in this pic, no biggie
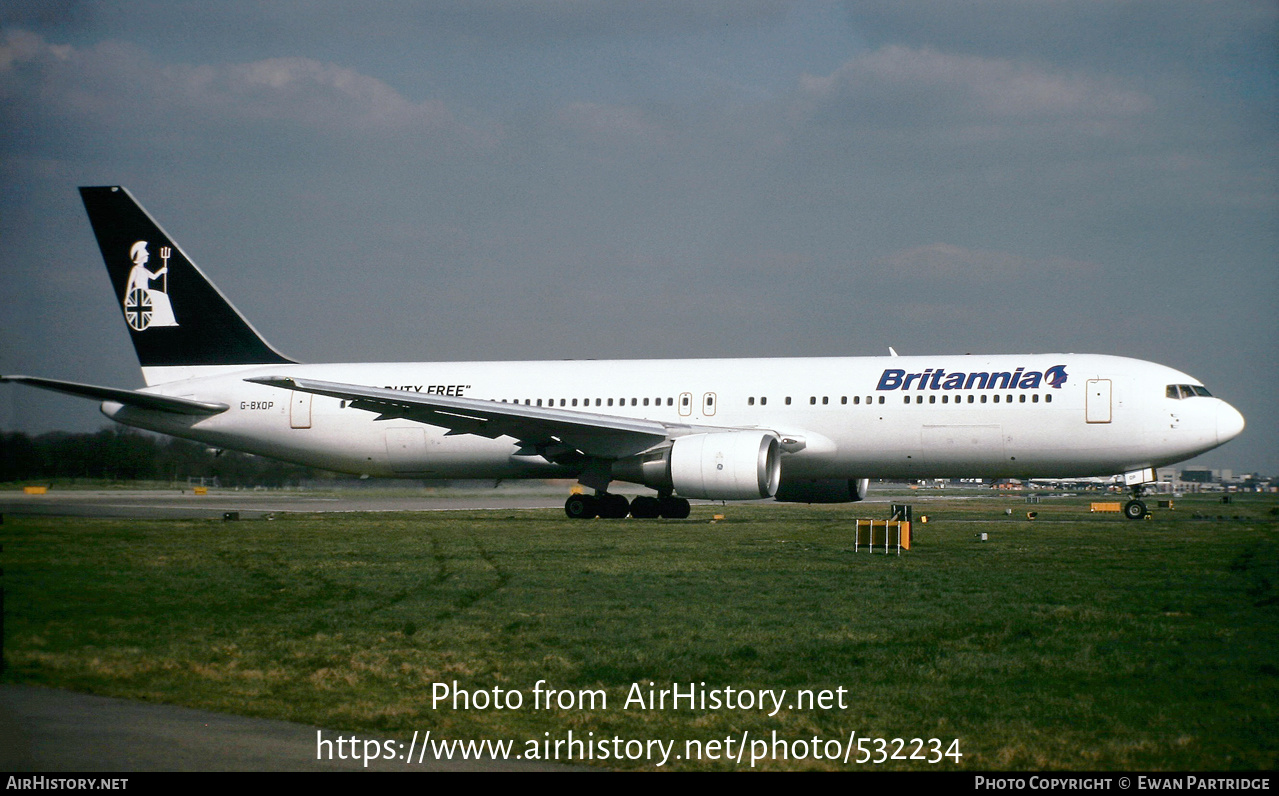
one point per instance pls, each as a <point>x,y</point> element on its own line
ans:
<point>1180,391</point>
<point>1201,391</point>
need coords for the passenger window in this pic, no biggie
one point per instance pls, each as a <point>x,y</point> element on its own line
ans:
<point>1034,398</point>
<point>788,400</point>
<point>857,399</point>
<point>843,399</point>
<point>750,401</point>
<point>881,399</point>
<point>1048,398</point>
<point>905,399</point>
<point>763,401</point>
<point>1023,398</point>
<point>983,399</point>
<point>812,400</point>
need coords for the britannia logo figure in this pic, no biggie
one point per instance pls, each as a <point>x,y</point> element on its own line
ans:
<point>1056,376</point>
<point>145,306</point>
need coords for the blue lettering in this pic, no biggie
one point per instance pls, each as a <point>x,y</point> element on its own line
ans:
<point>968,385</point>
<point>891,380</point>
<point>939,379</point>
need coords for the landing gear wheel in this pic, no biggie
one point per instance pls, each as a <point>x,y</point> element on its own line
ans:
<point>1135,510</point>
<point>581,507</point>
<point>646,507</point>
<point>613,507</point>
<point>674,508</point>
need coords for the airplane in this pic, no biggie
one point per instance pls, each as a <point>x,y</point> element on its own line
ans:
<point>812,430</point>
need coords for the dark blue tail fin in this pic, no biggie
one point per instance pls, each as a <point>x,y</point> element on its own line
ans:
<point>175,315</point>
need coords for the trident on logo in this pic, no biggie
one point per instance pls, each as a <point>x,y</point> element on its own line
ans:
<point>165,252</point>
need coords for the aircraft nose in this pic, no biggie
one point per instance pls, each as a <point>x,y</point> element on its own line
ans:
<point>1229,423</point>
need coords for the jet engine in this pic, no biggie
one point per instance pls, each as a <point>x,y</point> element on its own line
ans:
<point>720,465</point>
<point>729,465</point>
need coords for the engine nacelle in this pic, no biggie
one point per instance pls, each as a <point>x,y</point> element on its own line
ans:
<point>728,465</point>
<point>823,490</point>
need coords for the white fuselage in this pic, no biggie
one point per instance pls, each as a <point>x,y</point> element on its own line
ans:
<point>857,417</point>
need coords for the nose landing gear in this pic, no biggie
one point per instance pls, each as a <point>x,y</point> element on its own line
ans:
<point>1135,509</point>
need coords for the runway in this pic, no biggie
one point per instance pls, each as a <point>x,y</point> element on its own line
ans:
<point>250,504</point>
<point>182,503</point>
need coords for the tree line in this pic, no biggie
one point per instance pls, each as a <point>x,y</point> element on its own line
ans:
<point>123,454</point>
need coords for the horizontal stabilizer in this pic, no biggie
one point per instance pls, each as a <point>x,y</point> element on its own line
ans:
<point>142,400</point>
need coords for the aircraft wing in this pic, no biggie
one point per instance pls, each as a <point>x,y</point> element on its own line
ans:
<point>545,431</point>
<point>142,400</point>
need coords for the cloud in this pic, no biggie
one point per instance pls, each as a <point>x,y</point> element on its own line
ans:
<point>119,87</point>
<point>925,85</point>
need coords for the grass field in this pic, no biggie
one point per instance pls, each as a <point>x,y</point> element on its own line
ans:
<point>1076,641</point>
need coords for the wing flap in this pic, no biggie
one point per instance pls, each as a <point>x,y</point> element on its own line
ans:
<point>535,427</point>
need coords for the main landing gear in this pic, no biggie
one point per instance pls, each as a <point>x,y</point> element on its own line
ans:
<point>610,506</point>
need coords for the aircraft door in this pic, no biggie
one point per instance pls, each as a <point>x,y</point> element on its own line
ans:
<point>708,404</point>
<point>1097,402</point>
<point>685,404</point>
<point>300,410</point>
<point>406,449</point>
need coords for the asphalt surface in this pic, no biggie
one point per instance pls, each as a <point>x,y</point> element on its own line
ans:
<point>45,730</point>
<point>183,504</point>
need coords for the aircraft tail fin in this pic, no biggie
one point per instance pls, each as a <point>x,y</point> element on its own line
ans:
<point>176,316</point>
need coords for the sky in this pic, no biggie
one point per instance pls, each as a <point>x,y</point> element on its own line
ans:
<point>497,180</point>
